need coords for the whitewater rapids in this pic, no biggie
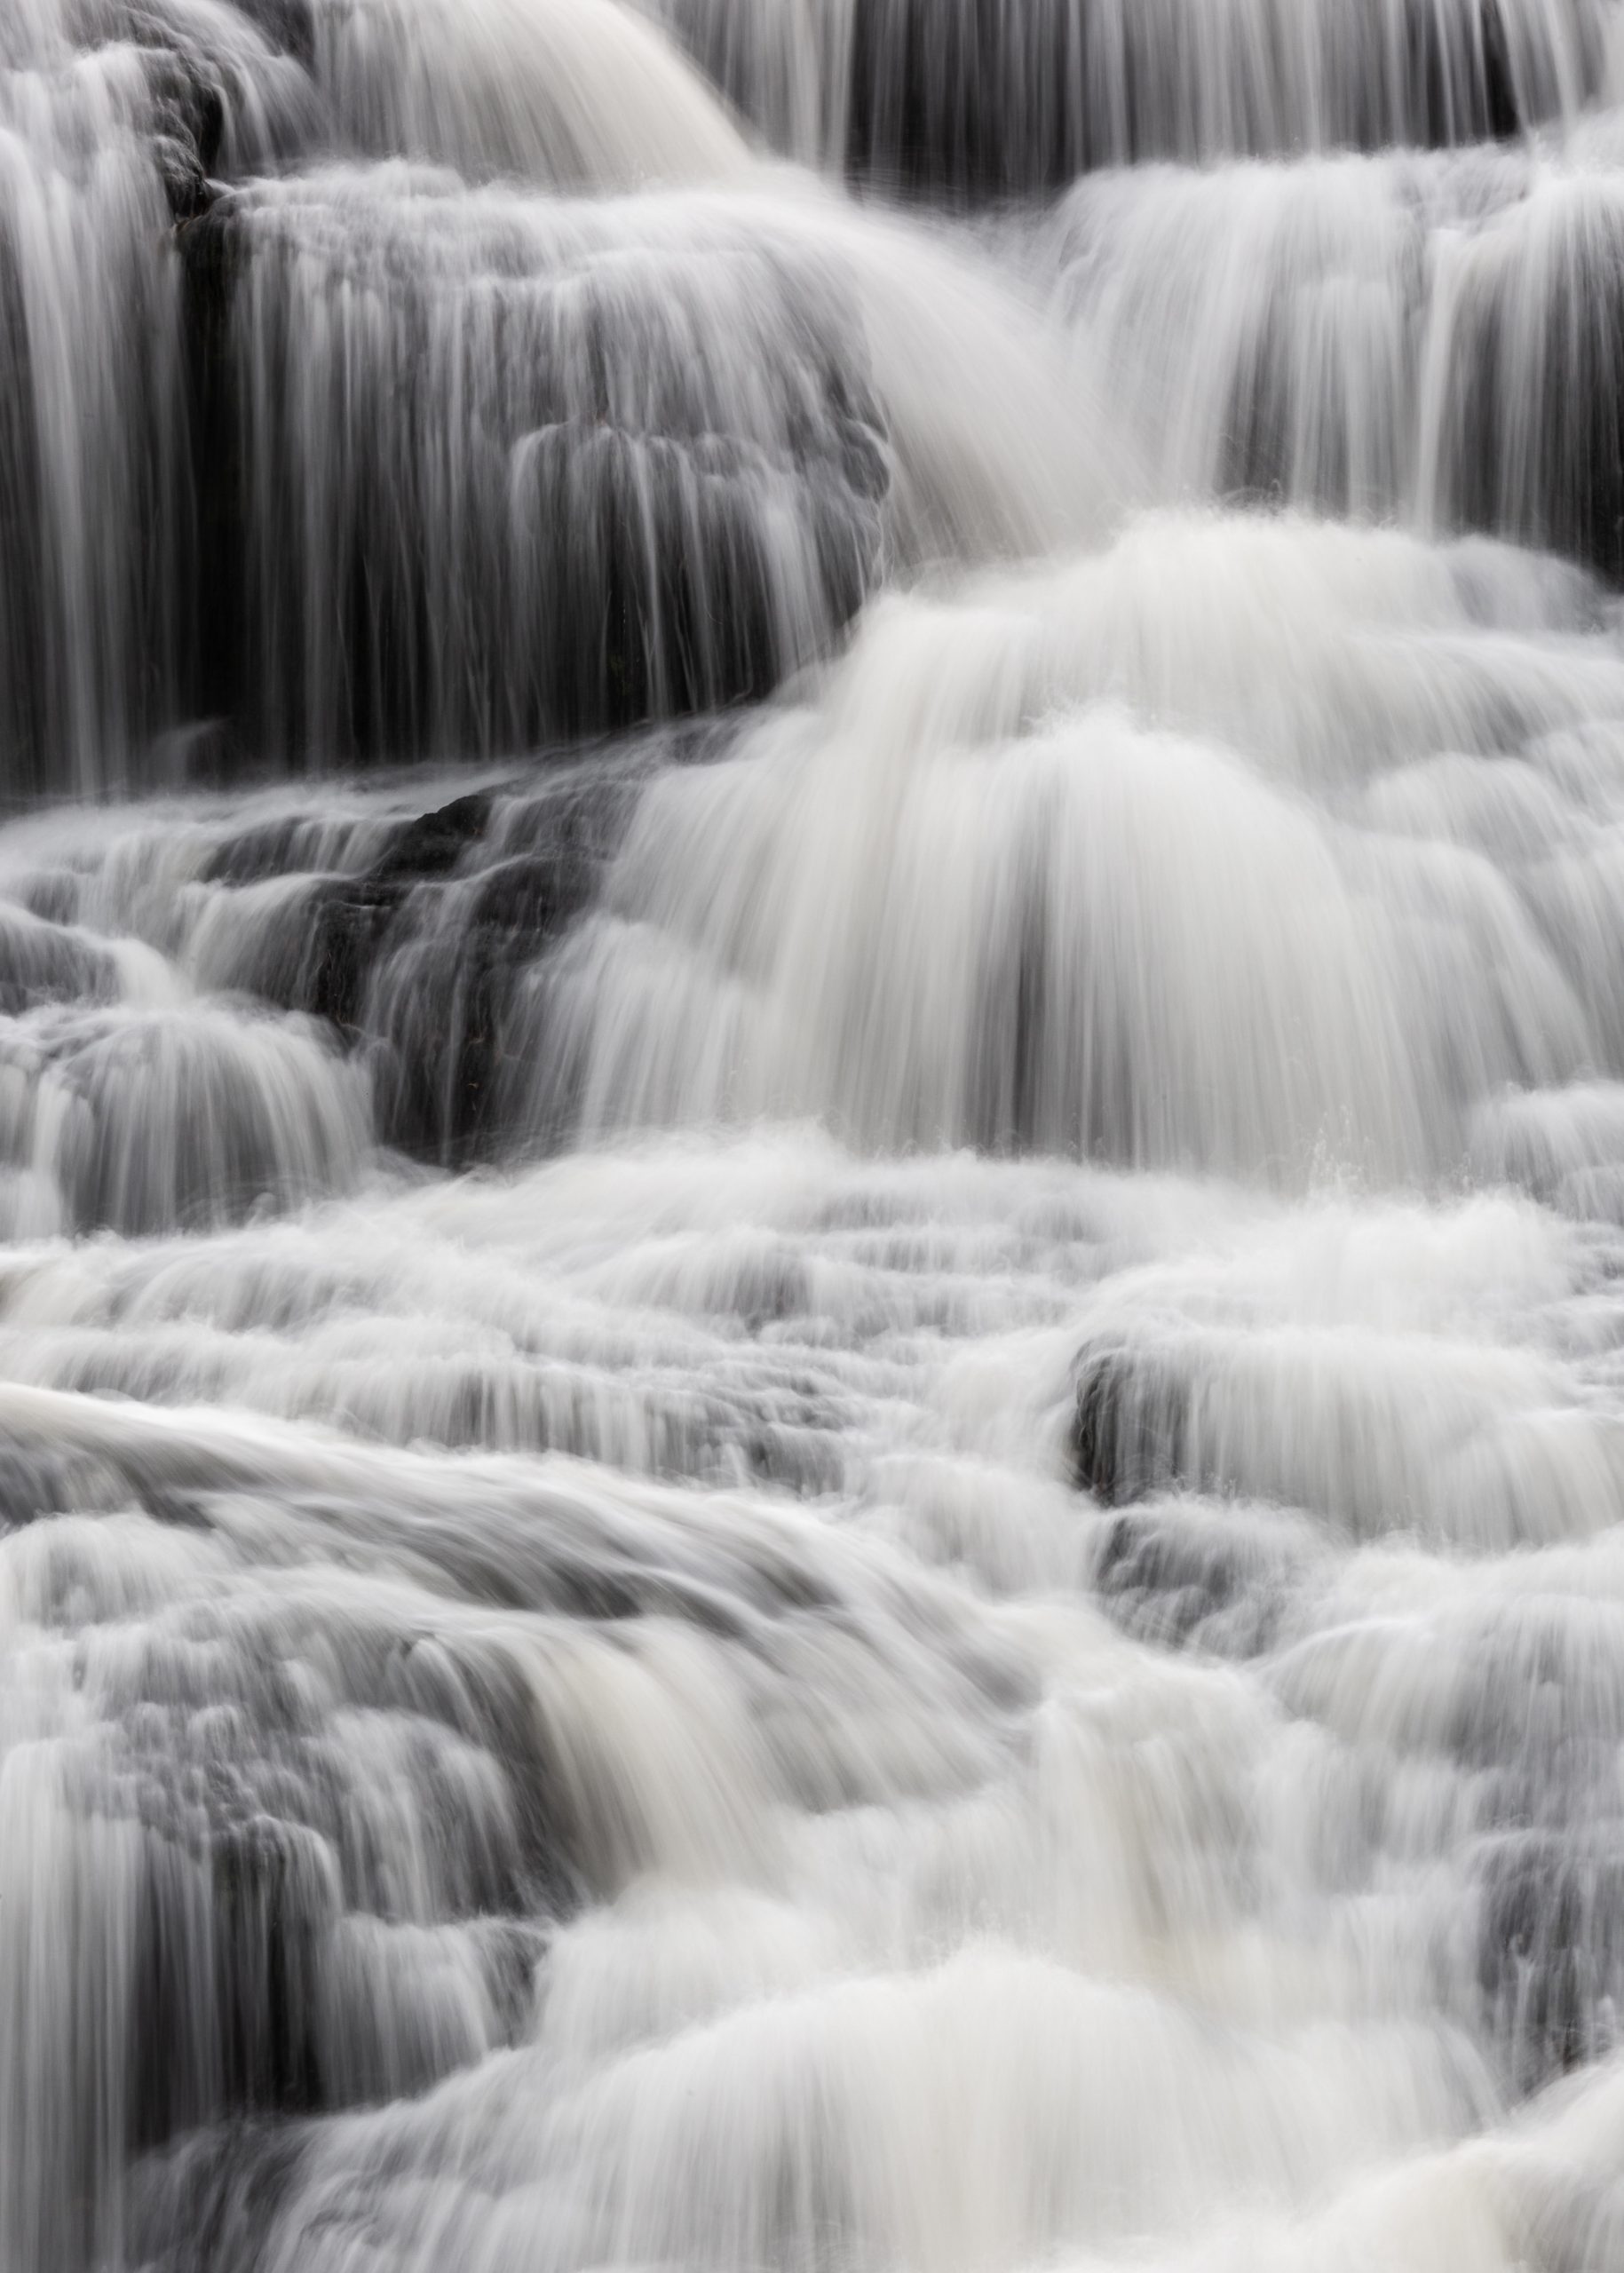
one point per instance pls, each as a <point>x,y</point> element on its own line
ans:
<point>811,1136</point>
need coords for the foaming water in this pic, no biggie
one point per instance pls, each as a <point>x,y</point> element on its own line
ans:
<point>663,1843</point>
<point>810,1440</point>
<point>1098,860</point>
<point>576,93</point>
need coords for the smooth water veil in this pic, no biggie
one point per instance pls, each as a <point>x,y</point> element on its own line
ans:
<point>811,1136</point>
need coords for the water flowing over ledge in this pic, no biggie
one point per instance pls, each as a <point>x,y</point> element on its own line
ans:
<point>812,1136</point>
<point>968,98</point>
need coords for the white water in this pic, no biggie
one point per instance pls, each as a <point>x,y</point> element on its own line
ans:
<point>576,93</point>
<point>1434,336</point>
<point>588,457</point>
<point>822,1470</point>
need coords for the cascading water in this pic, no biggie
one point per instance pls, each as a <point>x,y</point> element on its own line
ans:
<point>1436,337</point>
<point>968,95</point>
<point>812,1136</point>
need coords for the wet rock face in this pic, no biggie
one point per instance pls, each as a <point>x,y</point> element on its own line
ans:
<point>420,956</point>
<point>357,555</point>
<point>242,1786</point>
<point>188,127</point>
<point>367,981</point>
<point>1533,359</point>
<point>1551,1948</point>
<point>288,24</point>
<point>318,953</point>
<point>538,500</point>
<point>1183,1575</point>
<point>367,557</point>
<point>1505,1716</point>
<point>1130,1429</point>
<point>969,101</point>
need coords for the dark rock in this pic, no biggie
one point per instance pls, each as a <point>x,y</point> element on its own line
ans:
<point>189,112</point>
<point>1551,1948</point>
<point>345,942</point>
<point>1129,1432</point>
<point>630,564</point>
<point>431,845</point>
<point>185,184</point>
<point>1177,1575</point>
<point>210,2204</point>
<point>1545,464</point>
<point>288,26</point>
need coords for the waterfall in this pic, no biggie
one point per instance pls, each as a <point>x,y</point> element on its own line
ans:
<point>812,1136</point>
<point>1437,339</point>
<point>972,96</point>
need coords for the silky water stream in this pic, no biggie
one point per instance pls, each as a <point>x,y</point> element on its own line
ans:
<point>812,1136</point>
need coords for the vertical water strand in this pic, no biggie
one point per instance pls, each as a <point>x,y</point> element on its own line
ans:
<point>92,451</point>
<point>107,130</point>
<point>982,97</point>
